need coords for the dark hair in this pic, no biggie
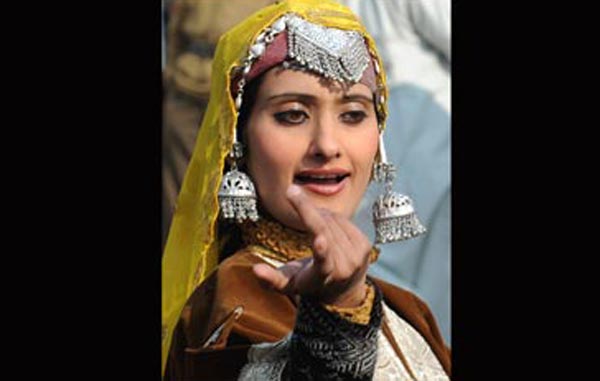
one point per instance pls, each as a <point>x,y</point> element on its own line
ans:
<point>230,231</point>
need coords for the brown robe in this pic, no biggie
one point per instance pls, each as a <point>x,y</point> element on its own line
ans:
<point>231,310</point>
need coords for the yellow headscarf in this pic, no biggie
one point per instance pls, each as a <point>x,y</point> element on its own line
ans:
<point>192,248</point>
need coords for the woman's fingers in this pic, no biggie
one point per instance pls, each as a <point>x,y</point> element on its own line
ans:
<point>316,224</point>
<point>309,214</point>
<point>270,276</point>
<point>341,252</point>
<point>355,236</point>
<point>334,235</point>
<point>342,240</point>
<point>285,278</point>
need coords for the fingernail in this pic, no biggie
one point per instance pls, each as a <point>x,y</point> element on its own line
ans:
<point>293,190</point>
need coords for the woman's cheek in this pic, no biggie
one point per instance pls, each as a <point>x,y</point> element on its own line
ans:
<point>274,160</point>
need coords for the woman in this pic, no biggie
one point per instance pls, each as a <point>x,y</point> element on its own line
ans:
<point>300,84</point>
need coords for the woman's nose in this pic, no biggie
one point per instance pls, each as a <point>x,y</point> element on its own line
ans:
<point>325,141</point>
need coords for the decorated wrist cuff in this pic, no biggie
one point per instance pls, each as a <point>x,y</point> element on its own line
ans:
<point>357,315</point>
<point>327,346</point>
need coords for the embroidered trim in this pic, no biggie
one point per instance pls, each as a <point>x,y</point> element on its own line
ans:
<point>277,241</point>
<point>272,240</point>
<point>357,315</point>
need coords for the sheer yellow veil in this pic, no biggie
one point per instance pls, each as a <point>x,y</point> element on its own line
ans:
<point>191,250</point>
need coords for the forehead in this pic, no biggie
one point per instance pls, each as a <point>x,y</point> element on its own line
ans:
<point>279,80</point>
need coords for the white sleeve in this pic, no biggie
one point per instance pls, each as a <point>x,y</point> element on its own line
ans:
<point>431,20</point>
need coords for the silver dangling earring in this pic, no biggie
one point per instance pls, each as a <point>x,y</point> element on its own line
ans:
<point>237,196</point>
<point>394,216</point>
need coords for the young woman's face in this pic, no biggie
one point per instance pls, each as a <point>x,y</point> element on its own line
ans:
<point>311,132</point>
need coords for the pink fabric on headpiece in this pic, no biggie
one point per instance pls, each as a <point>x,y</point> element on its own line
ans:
<point>275,54</point>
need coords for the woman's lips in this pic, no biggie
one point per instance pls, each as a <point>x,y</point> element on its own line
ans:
<point>324,189</point>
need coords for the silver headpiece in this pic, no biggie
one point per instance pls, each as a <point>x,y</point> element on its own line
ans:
<point>333,53</point>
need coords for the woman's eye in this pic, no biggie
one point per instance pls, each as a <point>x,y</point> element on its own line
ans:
<point>291,117</point>
<point>353,117</point>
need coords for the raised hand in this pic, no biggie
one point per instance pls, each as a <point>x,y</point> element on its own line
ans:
<point>336,274</point>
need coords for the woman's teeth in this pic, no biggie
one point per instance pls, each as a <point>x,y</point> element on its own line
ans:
<point>320,179</point>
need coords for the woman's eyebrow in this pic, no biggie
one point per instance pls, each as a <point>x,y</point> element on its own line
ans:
<point>356,97</point>
<point>306,98</point>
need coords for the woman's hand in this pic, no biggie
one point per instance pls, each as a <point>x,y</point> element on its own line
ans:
<point>336,274</point>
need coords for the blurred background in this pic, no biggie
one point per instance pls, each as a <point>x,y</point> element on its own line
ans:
<point>413,38</point>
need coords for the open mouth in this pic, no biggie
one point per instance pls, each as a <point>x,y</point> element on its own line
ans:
<point>302,179</point>
<point>324,182</point>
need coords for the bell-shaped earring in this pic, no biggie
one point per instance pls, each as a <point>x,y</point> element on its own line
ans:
<point>394,216</point>
<point>237,196</point>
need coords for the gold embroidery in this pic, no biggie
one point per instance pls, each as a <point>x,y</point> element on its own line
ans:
<point>277,241</point>
<point>360,314</point>
<point>273,240</point>
<point>374,254</point>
